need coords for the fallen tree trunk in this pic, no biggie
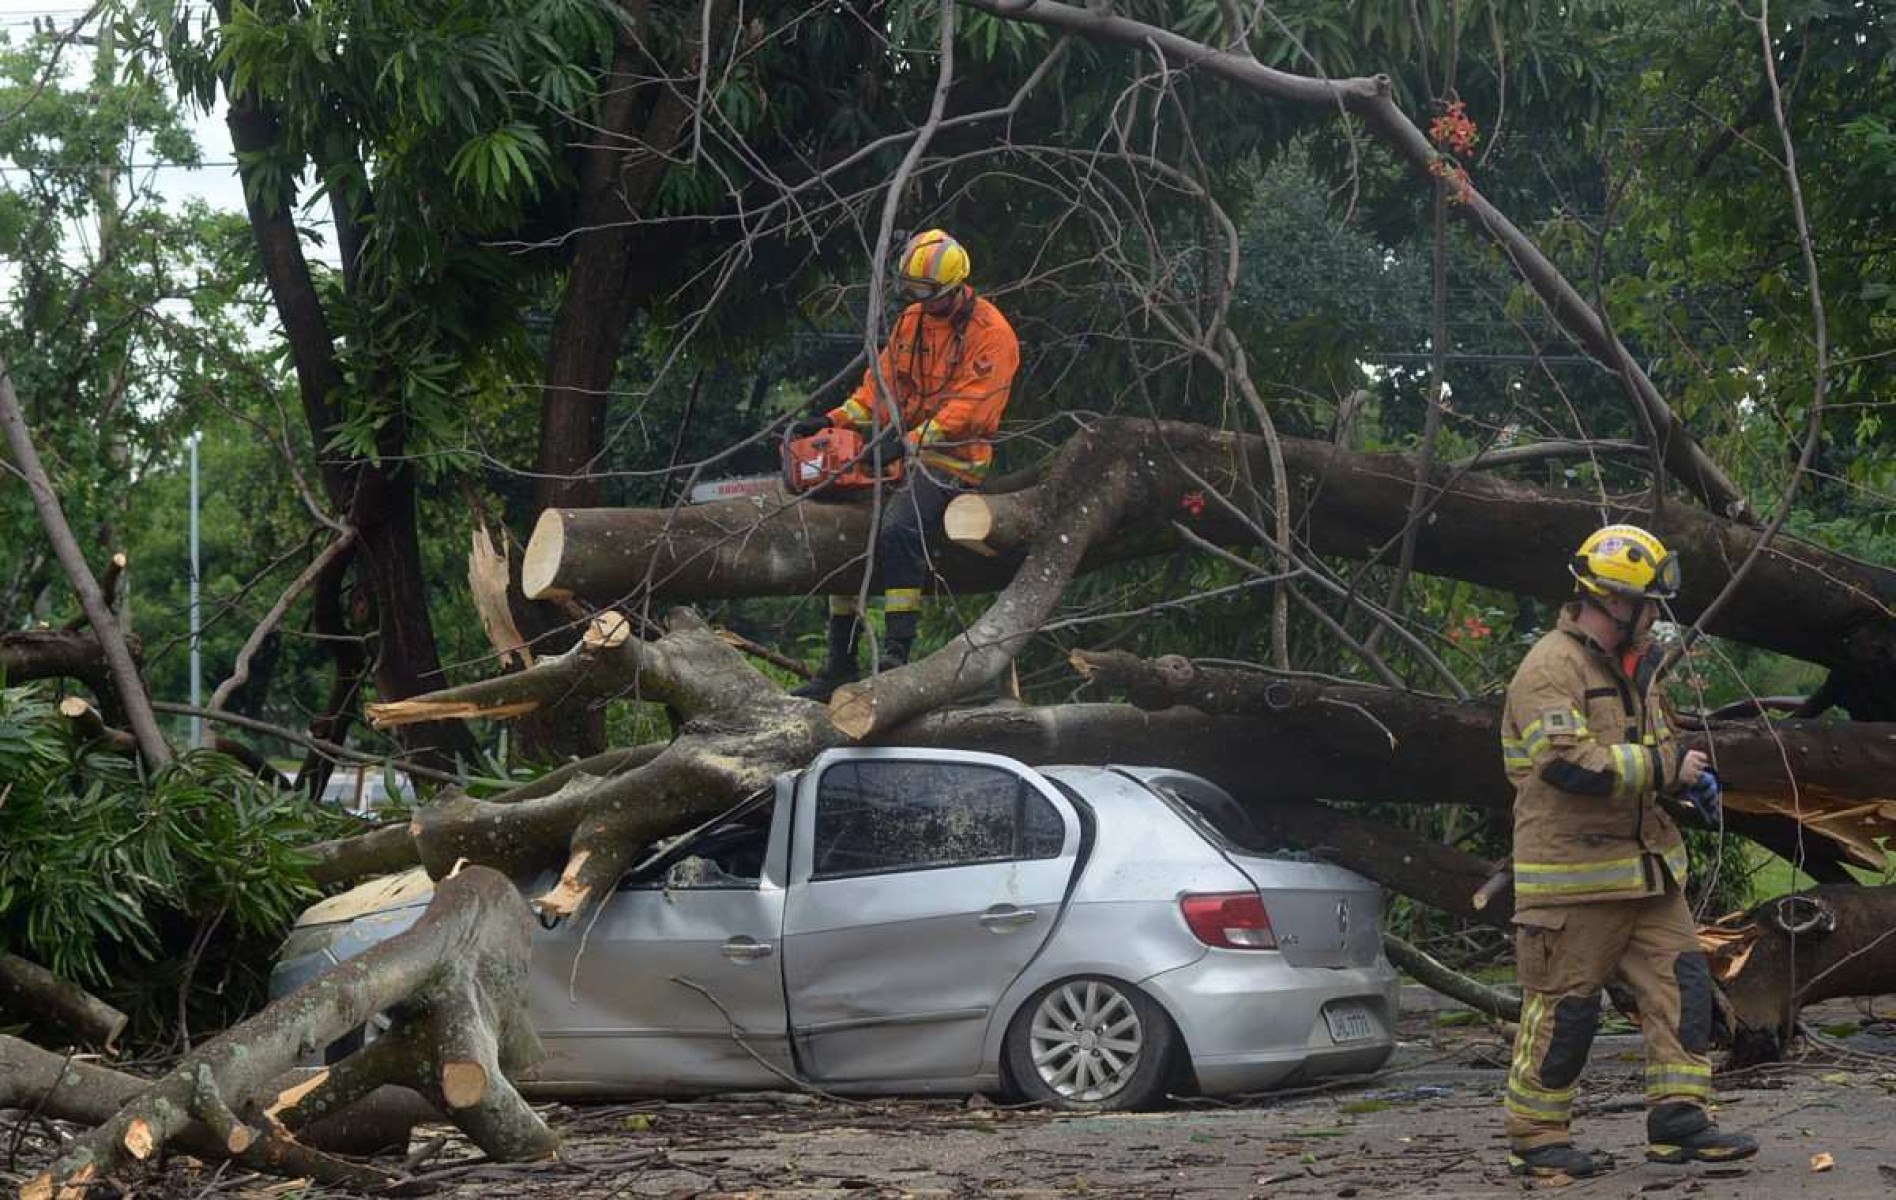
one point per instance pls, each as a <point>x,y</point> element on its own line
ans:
<point>1347,504</point>
<point>65,1088</point>
<point>1796,950</point>
<point>31,991</point>
<point>737,730</point>
<point>1834,780</point>
<point>57,654</point>
<point>454,985</point>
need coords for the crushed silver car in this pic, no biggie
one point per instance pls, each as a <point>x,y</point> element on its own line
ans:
<point>910,921</point>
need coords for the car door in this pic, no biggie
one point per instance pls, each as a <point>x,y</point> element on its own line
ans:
<point>921,884</point>
<point>682,956</point>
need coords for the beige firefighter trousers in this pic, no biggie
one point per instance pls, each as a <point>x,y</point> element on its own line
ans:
<point>1565,955</point>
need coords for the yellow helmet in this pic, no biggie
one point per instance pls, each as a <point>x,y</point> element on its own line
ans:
<point>1627,561</point>
<point>932,263</point>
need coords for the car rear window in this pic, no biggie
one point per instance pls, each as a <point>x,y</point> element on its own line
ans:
<point>877,816</point>
<point>1221,820</point>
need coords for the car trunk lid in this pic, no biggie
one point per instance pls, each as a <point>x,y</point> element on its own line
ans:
<point>1322,915</point>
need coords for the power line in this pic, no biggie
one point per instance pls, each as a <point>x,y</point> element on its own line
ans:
<point>106,166</point>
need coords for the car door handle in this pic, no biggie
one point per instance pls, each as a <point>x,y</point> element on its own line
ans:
<point>745,949</point>
<point>1005,917</point>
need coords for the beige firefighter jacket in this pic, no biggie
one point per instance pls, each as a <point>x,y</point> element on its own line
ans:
<point>1588,750</point>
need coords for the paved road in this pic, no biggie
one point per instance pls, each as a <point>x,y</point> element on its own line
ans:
<point>1428,1127</point>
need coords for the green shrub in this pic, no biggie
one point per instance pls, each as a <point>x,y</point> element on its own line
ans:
<point>165,891</point>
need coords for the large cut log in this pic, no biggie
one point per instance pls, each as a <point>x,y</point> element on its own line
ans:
<point>454,986</point>
<point>1786,953</point>
<point>1347,504</point>
<point>1835,780</point>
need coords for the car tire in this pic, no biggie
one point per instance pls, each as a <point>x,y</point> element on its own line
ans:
<point>1091,1044</point>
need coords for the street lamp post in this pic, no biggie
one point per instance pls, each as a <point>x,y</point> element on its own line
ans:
<point>197,666</point>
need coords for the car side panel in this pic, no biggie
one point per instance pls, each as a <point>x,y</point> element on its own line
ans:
<point>896,975</point>
<point>1249,1019</point>
<point>641,1011</point>
<point>1123,919</point>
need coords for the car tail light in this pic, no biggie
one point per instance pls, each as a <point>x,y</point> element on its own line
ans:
<point>1232,920</point>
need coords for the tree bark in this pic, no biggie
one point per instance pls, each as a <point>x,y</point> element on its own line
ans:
<point>71,1089</point>
<point>123,670</point>
<point>737,730</point>
<point>59,654</point>
<point>1503,1006</point>
<point>1349,505</point>
<point>377,498</point>
<point>1831,941</point>
<point>631,145</point>
<point>455,984</point>
<point>1831,778</point>
<point>30,990</point>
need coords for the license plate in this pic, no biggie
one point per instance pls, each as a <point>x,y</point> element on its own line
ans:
<point>1349,1022</point>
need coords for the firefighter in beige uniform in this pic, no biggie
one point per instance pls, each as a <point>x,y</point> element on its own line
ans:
<point>1599,867</point>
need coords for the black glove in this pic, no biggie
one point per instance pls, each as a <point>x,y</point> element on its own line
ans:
<point>803,427</point>
<point>886,446</point>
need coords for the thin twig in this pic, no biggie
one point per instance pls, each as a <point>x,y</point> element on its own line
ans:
<point>240,672</point>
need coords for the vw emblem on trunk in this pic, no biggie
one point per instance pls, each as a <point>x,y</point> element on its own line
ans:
<point>1343,917</point>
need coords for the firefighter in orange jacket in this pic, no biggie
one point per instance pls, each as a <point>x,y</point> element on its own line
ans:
<point>1599,867</point>
<point>949,366</point>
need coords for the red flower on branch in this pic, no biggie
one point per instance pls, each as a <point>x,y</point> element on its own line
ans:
<point>1473,630</point>
<point>1193,503</point>
<point>1454,131</point>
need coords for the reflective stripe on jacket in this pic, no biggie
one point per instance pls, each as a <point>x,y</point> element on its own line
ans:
<point>1588,750</point>
<point>952,377</point>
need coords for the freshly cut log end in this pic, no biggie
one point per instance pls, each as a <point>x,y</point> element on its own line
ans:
<point>569,896</point>
<point>968,522</point>
<point>608,631</point>
<point>41,1188</point>
<point>74,708</point>
<point>463,1084</point>
<point>540,565</point>
<point>139,1141</point>
<point>852,710</point>
<point>239,1139</point>
<point>293,1095</point>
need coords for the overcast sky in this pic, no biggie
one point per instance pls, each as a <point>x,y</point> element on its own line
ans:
<point>216,182</point>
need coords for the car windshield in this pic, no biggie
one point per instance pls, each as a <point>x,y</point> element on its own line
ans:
<point>726,851</point>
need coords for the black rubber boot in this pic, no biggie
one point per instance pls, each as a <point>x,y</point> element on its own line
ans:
<point>839,665</point>
<point>898,640</point>
<point>1682,1133</point>
<point>1564,1159</point>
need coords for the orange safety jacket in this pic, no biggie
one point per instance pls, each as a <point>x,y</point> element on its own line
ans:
<point>951,377</point>
<point>1589,750</point>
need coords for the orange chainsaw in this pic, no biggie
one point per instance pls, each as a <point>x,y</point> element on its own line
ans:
<point>834,460</point>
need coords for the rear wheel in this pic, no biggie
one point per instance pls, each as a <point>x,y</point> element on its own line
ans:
<point>1091,1044</point>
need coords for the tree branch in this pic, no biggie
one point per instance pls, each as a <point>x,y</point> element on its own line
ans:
<point>118,655</point>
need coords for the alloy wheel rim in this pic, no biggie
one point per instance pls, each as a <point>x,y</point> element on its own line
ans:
<point>1086,1040</point>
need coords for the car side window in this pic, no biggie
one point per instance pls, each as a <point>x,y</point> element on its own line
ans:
<point>876,816</point>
